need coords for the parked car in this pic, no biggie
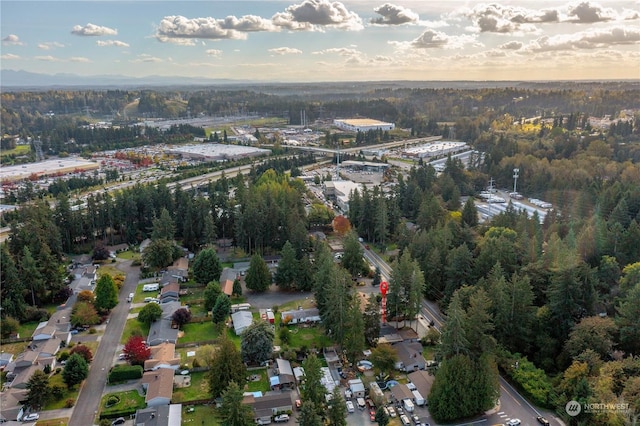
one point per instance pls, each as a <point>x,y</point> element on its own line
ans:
<point>282,418</point>
<point>31,417</point>
<point>514,422</point>
<point>392,412</point>
<point>542,421</point>
<point>118,421</point>
<point>350,407</point>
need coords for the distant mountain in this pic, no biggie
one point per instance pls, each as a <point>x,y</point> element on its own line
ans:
<point>25,79</point>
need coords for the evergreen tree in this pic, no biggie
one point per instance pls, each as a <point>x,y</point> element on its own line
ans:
<point>39,391</point>
<point>211,293</point>
<point>286,275</point>
<point>256,345</point>
<point>258,277</point>
<point>75,371</point>
<point>106,293</point>
<point>221,309</point>
<point>11,286</point>
<point>226,367</point>
<point>29,273</point>
<point>352,259</point>
<point>309,415</point>
<point>237,288</point>
<point>372,317</point>
<point>233,411</point>
<point>469,213</point>
<point>163,227</point>
<point>312,390</point>
<point>206,266</point>
<point>337,412</point>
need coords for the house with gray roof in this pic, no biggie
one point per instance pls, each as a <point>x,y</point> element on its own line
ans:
<point>267,406</point>
<point>163,329</point>
<point>12,404</point>
<point>241,320</point>
<point>300,316</point>
<point>409,356</point>
<point>281,376</point>
<point>161,415</point>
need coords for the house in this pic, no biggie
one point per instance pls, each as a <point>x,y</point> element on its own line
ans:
<point>180,269</point>
<point>5,359</point>
<point>91,272</point>
<point>227,277</point>
<point>163,329</point>
<point>163,356</point>
<point>422,381</point>
<point>401,392</point>
<point>170,293</point>
<point>357,388</point>
<point>241,320</point>
<point>282,377</point>
<point>47,348</point>
<point>298,372</point>
<point>12,404</point>
<point>300,316</point>
<point>267,406</point>
<point>43,331</point>
<point>158,386</point>
<point>161,415</point>
<point>21,376</point>
<point>409,356</point>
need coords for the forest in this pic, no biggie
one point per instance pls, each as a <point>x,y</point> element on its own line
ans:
<point>561,297</point>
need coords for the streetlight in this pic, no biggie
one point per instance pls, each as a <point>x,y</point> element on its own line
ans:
<point>515,178</point>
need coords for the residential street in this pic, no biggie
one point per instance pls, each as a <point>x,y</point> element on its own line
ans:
<point>88,402</point>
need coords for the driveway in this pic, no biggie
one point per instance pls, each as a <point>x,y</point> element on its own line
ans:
<point>88,402</point>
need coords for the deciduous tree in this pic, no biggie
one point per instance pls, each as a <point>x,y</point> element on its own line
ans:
<point>83,351</point>
<point>181,316</point>
<point>211,293</point>
<point>84,313</point>
<point>106,293</point>
<point>384,358</point>
<point>136,350</point>
<point>149,313</point>
<point>257,342</point>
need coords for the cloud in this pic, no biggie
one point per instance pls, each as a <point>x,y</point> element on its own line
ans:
<point>174,28</point>
<point>9,57</point>
<point>48,58</point>
<point>144,57</point>
<point>394,15</point>
<point>248,23</point>
<point>587,13</point>
<point>505,19</point>
<point>49,45</point>
<point>214,52</point>
<point>431,39</point>
<point>79,59</point>
<point>285,51</point>
<point>512,45</point>
<point>12,39</point>
<point>586,40</point>
<point>93,30</point>
<point>315,15</point>
<point>342,51</point>
<point>116,43</point>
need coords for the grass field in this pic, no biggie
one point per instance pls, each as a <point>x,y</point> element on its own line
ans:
<point>56,380</point>
<point>18,150</point>
<point>261,385</point>
<point>198,390</point>
<point>200,415</point>
<point>133,328</point>
<point>128,399</point>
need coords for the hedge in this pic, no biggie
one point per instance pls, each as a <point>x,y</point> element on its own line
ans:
<point>532,381</point>
<point>121,373</point>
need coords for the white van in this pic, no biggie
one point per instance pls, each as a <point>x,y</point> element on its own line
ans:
<point>130,298</point>
<point>408,405</point>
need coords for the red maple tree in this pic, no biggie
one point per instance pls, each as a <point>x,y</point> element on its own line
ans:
<point>136,350</point>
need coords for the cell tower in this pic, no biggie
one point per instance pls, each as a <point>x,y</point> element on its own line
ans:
<point>37,145</point>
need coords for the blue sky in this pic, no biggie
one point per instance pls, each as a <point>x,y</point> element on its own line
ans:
<point>322,40</point>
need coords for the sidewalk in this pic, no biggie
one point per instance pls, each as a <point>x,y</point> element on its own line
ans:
<point>62,413</point>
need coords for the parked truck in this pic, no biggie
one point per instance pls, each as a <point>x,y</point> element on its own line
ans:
<point>408,405</point>
<point>418,398</point>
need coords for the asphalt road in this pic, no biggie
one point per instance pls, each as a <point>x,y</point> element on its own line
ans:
<point>88,402</point>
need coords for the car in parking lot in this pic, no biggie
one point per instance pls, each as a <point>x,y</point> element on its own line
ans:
<point>31,417</point>
<point>350,407</point>
<point>415,419</point>
<point>392,412</point>
<point>282,418</point>
<point>542,421</point>
<point>514,422</point>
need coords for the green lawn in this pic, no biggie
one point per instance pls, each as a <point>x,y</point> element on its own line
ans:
<point>18,150</point>
<point>129,255</point>
<point>199,332</point>
<point>27,329</point>
<point>313,336</point>
<point>139,295</point>
<point>261,385</point>
<point>132,328</point>
<point>200,415</point>
<point>199,389</point>
<point>56,380</point>
<point>128,400</point>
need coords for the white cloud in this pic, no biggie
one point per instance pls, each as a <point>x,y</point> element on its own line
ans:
<point>116,43</point>
<point>586,40</point>
<point>248,23</point>
<point>179,27</point>
<point>431,39</point>
<point>48,58</point>
<point>285,51</point>
<point>342,51</point>
<point>12,39</point>
<point>9,57</point>
<point>49,45</point>
<point>214,52</point>
<point>79,59</point>
<point>93,30</point>
<point>394,15</point>
<point>505,19</point>
<point>512,45</point>
<point>589,13</point>
<point>144,57</point>
<point>315,15</point>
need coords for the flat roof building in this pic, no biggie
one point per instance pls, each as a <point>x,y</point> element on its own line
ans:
<point>217,151</point>
<point>362,125</point>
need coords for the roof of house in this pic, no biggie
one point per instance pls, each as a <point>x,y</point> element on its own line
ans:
<point>164,353</point>
<point>44,329</point>
<point>10,403</point>
<point>227,277</point>
<point>241,320</point>
<point>409,353</point>
<point>181,264</point>
<point>162,415</point>
<point>23,376</point>
<point>171,287</point>
<point>6,357</point>
<point>401,392</point>
<point>356,385</point>
<point>48,347</point>
<point>301,313</point>
<point>423,381</point>
<point>271,401</point>
<point>162,330</point>
<point>159,384</point>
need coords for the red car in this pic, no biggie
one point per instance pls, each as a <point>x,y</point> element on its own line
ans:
<point>372,415</point>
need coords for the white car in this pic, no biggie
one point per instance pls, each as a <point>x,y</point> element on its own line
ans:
<point>350,407</point>
<point>31,417</point>
<point>513,422</point>
<point>282,418</point>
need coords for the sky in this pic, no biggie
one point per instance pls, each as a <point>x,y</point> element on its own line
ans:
<point>324,40</point>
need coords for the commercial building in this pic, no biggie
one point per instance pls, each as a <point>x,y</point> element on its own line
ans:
<point>56,167</point>
<point>434,149</point>
<point>362,125</point>
<point>217,151</point>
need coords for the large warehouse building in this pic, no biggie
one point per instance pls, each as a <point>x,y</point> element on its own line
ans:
<point>55,167</point>
<point>218,152</point>
<point>362,125</point>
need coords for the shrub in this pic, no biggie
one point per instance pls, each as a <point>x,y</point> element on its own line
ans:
<point>120,373</point>
<point>64,355</point>
<point>57,391</point>
<point>70,402</point>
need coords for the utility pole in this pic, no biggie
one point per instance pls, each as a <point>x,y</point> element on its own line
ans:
<point>515,178</point>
